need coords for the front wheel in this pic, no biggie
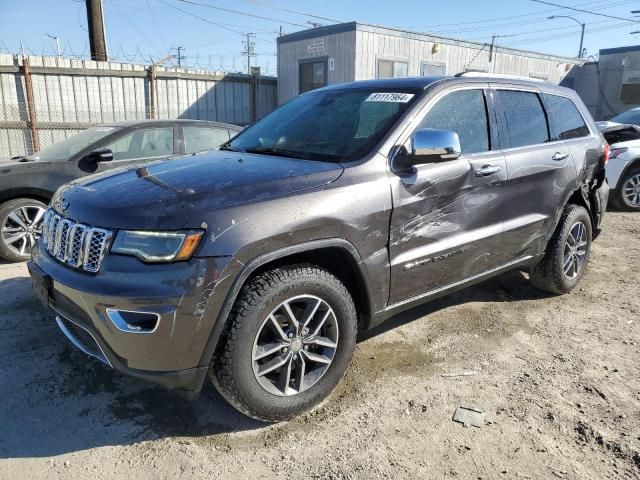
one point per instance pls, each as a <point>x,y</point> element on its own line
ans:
<point>567,254</point>
<point>287,343</point>
<point>20,227</point>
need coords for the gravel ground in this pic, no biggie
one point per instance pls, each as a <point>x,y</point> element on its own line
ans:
<point>558,380</point>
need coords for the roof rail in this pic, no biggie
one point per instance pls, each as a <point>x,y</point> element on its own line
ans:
<point>477,73</point>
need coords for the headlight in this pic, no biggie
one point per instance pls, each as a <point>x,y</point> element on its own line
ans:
<point>157,247</point>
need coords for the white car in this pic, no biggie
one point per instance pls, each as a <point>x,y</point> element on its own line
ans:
<point>623,168</point>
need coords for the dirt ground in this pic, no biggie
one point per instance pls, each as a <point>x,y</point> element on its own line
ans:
<point>558,380</point>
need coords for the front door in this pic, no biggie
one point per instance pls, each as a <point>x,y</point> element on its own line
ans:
<point>446,224</point>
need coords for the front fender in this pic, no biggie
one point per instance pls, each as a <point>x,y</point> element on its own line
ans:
<point>237,273</point>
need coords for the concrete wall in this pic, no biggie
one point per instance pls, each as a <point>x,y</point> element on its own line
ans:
<point>71,95</point>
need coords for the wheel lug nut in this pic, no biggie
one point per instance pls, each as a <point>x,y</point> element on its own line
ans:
<point>306,347</point>
<point>290,335</point>
<point>285,350</point>
<point>295,357</point>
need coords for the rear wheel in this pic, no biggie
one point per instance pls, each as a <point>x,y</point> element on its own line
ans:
<point>20,227</point>
<point>628,195</point>
<point>567,254</point>
<point>287,344</point>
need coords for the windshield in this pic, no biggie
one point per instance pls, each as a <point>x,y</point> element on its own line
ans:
<point>70,146</point>
<point>330,125</point>
<point>630,116</point>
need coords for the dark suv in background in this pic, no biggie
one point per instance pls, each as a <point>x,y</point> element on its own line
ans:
<point>258,264</point>
<point>28,183</point>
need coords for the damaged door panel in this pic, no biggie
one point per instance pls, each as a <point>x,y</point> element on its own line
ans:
<point>446,223</point>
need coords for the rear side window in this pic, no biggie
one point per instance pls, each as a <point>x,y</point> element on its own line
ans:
<point>565,121</point>
<point>524,117</point>
<point>465,113</point>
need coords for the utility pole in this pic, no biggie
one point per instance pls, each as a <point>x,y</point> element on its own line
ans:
<point>95,22</point>
<point>249,50</point>
<point>54,37</point>
<point>180,57</point>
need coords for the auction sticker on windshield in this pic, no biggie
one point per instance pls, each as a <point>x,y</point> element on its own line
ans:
<point>390,97</point>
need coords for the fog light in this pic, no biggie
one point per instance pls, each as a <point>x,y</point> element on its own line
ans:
<point>134,322</point>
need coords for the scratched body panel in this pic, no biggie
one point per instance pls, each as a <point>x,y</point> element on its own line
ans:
<point>446,224</point>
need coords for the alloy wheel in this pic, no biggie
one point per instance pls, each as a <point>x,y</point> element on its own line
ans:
<point>21,228</point>
<point>295,345</point>
<point>631,191</point>
<point>575,250</point>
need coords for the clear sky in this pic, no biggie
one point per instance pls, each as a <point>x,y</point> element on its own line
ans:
<point>212,37</point>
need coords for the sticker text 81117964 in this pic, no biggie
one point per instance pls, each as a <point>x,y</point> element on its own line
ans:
<point>390,97</point>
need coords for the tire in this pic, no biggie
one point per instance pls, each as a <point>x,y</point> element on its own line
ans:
<point>627,196</point>
<point>550,274</point>
<point>250,332</point>
<point>20,226</point>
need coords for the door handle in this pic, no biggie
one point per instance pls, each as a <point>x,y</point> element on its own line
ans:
<point>487,170</point>
<point>559,156</point>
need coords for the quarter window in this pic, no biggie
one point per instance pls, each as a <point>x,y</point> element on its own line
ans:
<point>463,112</point>
<point>524,117</point>
<point>565,121</point>
<point>392,69</point>
<point>199,139</point>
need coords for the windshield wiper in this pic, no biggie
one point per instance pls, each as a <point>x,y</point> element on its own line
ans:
<point>227,146</point>
<point>276,152</point>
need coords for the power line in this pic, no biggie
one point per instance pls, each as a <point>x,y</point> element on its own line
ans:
<point>155,21</point>
<point>190,16</point>
<point>585,11</point>
<point>297,12</point>
<point>524,22</point>
<point>238,12</point>
<point>499,19</point>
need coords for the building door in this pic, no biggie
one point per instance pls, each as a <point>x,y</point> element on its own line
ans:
<point>313,74</point>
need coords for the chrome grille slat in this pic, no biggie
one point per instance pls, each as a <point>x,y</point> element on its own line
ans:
<point>78,245</point>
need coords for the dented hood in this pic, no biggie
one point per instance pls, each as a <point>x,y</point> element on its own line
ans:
<point>177,193</point>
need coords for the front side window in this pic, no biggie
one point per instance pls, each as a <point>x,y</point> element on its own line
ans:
<point>465,113</point>
<point>392,69</point>
<point>313,75</point>
<point>73,145</point>
<point>330,125</point>
<point>524,117</point>
<point>565,121</point>
<point>144,143</point>
<point>200,139</point>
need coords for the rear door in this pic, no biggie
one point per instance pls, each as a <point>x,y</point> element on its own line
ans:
<point>540,170</point>
<point>446,223</point>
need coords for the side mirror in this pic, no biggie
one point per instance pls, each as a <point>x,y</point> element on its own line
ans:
<point>89,163</point>
<point>430,145</point>
<point>99,155</point>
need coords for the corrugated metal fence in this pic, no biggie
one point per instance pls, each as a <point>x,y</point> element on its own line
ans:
<point>45,99</point>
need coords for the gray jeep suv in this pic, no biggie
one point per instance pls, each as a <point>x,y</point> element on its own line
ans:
<point>258,264</point>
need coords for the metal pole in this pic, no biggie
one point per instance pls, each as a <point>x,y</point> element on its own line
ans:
<point>95,22</point>
<point>151,77</point>
<point>581,40</point>
<point>28,86</point>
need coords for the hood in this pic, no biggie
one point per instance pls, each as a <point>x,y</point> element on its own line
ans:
<point>177,193</point>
